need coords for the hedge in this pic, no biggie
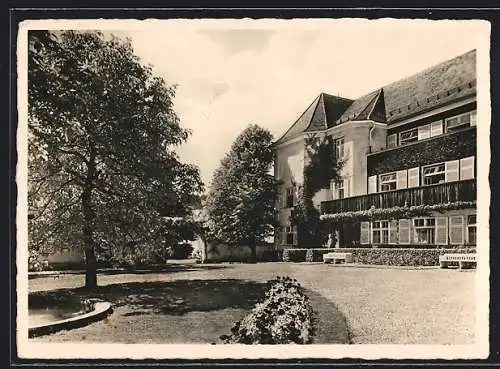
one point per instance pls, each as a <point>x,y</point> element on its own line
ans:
<point>294,255</point>
<point>378,256</point>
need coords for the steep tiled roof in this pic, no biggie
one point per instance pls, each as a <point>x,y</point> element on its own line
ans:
<point>323,113</point>
<point>432,87</point>
<point>435,86</point>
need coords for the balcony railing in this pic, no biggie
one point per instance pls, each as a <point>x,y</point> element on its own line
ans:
<point>425,195</point>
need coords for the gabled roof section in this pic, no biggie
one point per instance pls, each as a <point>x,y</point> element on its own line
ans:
<point>432,87</point>
<point>321,114</point>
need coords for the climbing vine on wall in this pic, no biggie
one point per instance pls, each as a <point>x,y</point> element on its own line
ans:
<point>319,170</point>
<point>398,212</point>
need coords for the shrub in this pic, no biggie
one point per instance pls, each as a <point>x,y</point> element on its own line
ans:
<point>271,255</point>
<point>315,255</point>
<point>294,255</point>
<point>36,262</point>
<point>182,251</point>
<point>284,316</point>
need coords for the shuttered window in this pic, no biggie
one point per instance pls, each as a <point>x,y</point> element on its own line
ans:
<point>452,170</point>
<point>404,231</point>
<point>424,230</point>
<point>467,168</point>
<point>372,184</point>
<point>393,232</point>
<point>456,230</point>
<point>436,128</point>
<point>387,182</point>
<point>461,121</point>
<point>364,238</point>
<point>424,132</point>
<point>392,140</point>
<point>441,230</point>
<point>401,179</point>
<point>414,177</point>
<point>433,174</point>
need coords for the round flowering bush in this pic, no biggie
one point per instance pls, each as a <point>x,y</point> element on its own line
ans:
<point>284,316</point>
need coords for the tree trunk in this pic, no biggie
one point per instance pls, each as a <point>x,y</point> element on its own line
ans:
<point>88,224</point>
<point>91,268</point>
<point>253,248</point>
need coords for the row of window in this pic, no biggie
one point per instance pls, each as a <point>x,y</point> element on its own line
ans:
<point>453,230</point>
<point>449,171</point>
<point>433,129</point>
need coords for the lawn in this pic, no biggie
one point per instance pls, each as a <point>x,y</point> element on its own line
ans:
<point>198,303</point>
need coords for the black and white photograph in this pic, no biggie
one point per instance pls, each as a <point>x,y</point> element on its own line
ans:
<point>253,188</point>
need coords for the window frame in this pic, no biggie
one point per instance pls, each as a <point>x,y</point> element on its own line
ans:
<point>339,186</point>
<point>459,126</point>
<point>290,230</point>
<point>340,148</point>
<point>425,176</point>
<point>429,228</point>
<point>382,182</point>
<point>382,228</point>
<point>403,142</point>
<point>288,196</point>
<point>471,226</point>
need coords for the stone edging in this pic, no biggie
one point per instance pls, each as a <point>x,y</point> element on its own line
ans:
<point>101,310</point>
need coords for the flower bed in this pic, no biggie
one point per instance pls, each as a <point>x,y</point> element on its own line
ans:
<point>284,316</point>
<point>379,256</point>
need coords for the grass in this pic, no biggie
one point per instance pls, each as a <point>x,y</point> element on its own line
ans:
<point>179,311</point>
<point>198,303</point>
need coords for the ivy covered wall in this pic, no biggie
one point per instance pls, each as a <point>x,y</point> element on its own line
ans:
<point>447,147</point>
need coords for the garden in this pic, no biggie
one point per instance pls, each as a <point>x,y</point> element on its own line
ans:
<point>223,303</point>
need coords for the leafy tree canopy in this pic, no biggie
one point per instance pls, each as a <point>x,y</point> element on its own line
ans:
<point>103,172</point>
<point>241,201</point>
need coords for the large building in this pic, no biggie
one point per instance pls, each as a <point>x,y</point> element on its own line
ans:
<point>410,145</point>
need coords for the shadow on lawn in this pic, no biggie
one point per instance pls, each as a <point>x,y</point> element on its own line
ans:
<point>172,298</point>
<point>171,268</point>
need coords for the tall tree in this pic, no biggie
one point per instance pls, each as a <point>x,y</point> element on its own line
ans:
<point>241,199</point>
<point>103,173</point>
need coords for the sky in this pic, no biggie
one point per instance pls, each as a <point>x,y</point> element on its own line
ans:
<point>234,73</point>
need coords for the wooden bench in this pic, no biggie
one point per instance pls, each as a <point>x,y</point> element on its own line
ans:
<point>334,257</point>
<point>463,260</point>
